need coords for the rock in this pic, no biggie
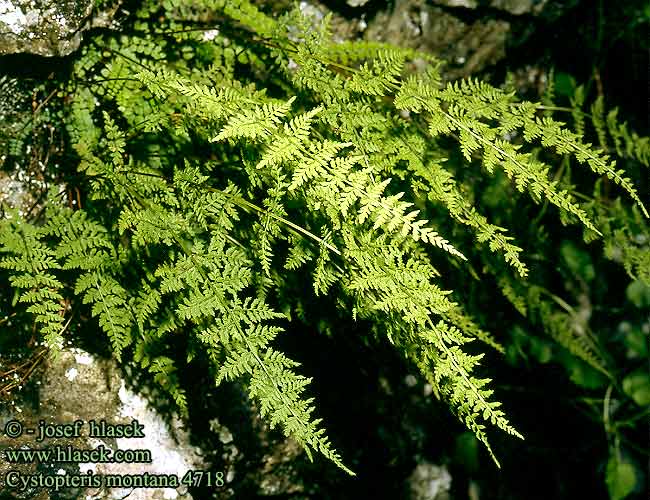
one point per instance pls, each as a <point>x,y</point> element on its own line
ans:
<point>79,387</point>
<point>454,30</point>
<point>341,27</point>
<point>26,142</point>
<point>279,475</point>
<point>519,7</point>
<point>48,27</point>
<point>14,192</point>
<point>467,4</point>
<point>468,48</point>
<point>515,7</point>
<point>429,482</point>
<point>357,3</point>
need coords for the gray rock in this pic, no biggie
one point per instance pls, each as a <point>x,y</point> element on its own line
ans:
<point>516,7</point>
<point>468,48</point>
<point>468,4</point>
<point>357,3</point>
<point>78,386</point>
<point>279,475</point>
<point>441,28</point>
<point>47,27</point>
<point>429,482</point>
<point>15,191</point>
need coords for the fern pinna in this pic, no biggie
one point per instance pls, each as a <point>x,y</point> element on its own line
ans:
<point>209,195</point>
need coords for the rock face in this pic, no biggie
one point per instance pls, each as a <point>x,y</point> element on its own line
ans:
<point>44,27</point>
<point>469,35</point>
<point>518,7</point>
<point>515,7</point>
<point>77,386</point>
<point>357,3</point>
<point>467,47</point>
<point>429,482</point>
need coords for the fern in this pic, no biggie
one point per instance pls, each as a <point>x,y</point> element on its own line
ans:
<point>209,197</point>
<point>33,264</point>
<point>610,130</point>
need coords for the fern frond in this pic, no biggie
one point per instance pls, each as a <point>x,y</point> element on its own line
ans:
<point>330,162</point>
<point>290,143</point>
<point>110,304</point>
<point>551,133</point>
<point>451,375</point>
<point>314,164</point>
<point>379,79</point>
<point>31,264</point>
<point>258,122</point>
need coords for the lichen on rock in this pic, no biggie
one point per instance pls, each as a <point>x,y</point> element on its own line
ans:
<point>44,27</point>
<point>79,386</point>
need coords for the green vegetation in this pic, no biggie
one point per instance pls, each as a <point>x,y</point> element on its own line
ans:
<point>228,161</point>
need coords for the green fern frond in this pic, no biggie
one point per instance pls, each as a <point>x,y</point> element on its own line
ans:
<point>379,79</point>
<point>551,133</point>
<point>32,264</point>
<point>110,304</point>
<point>269,144</point>
<point>256,123</point>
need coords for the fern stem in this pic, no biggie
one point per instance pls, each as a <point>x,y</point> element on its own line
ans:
<point>247,204</point>
<point>562,108</point>
<point>606,401</point>
<point>7,318</point>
